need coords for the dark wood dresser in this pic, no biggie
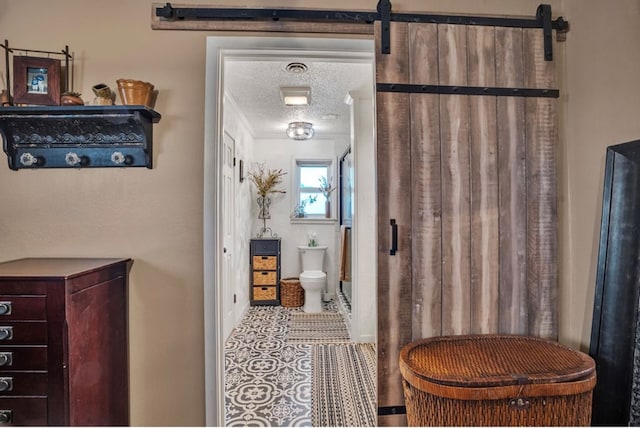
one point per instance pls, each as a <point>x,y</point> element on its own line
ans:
<point>64,342</point>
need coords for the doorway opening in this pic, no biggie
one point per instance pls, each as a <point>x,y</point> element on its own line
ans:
<point>221,249</point>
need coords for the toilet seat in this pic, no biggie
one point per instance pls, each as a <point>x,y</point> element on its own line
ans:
<point>313,274</point>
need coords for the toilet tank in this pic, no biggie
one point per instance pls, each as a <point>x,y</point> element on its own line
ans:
<point>312,258</point>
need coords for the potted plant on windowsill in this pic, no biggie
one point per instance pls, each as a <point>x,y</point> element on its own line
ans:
<point>300,210</point>
<point>266,182</point>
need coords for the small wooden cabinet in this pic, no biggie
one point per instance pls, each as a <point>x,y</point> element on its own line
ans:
<point>63,342</point>
<point>265,272</point>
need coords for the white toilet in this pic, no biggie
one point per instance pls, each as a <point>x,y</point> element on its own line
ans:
<point>312,278</point>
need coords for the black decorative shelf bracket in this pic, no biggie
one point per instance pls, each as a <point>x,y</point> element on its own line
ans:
<point>78,136</point>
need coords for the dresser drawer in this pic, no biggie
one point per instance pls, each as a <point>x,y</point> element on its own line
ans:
<point>23,332</point>
<point>265,246</point>
<point>265,278</point>
<point>264,293</point>
<point>24,410</point>
<point>23,383</point>
<point>23,357</point>
<point>265,262</point>
<point>22,307</point>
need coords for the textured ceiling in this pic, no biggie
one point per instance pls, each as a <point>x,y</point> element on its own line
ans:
<point>254,85</point>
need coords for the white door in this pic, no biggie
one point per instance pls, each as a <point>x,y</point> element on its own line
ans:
<point>228,209</point>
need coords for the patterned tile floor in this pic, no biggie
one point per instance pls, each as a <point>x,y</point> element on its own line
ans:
<point>267,379</point>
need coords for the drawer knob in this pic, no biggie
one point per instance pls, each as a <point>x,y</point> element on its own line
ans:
<point>118,158</point>
<point>6,359</point>
<point>6,333</point>
<point>6,416</point>
<point>6,384</point>
<point>5,308</point>
<point>73,159</point>
<point>27,159</point>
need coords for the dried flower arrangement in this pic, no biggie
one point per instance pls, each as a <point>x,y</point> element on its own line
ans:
<point>266,180</point>
<point>326,186</point>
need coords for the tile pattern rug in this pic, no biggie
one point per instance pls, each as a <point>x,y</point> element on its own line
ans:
<point>269,377</point>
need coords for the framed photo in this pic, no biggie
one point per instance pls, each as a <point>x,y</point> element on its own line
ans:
<point>36,81</point>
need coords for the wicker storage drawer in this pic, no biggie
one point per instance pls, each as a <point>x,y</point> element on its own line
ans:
<point>492,380</point>
<point>264,293</point>
<point>265,278</point>
<point>265,262</point>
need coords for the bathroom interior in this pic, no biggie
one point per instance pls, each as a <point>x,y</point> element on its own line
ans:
<point>338,87</point>
<point>245,123</point>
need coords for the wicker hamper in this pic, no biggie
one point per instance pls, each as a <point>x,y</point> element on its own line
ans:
<point>492,380</point>
<point>291,293</point>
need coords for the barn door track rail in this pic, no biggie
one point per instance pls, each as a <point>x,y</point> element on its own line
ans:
<point>384,14</point>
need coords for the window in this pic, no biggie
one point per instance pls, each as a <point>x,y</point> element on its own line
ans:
<point>309,200</point>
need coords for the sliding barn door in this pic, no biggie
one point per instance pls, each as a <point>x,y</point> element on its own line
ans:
<point>466,185</point>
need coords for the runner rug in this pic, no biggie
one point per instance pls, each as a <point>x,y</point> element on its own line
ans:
<point>343,385</point>
<point>317,328</point>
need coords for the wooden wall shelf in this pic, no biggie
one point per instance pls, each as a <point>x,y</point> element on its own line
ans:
<point>78,136</point>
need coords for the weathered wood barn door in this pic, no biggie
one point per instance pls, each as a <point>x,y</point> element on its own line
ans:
<point>466,185</point>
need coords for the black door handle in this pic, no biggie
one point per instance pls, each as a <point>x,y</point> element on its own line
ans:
<point>394,237</point>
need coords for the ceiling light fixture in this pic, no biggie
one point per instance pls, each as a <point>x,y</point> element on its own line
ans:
<point>296,96</point>
<point>300,131</point>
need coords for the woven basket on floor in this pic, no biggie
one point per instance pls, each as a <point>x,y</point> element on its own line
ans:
<point>493,380</point>
<point>291,293</point>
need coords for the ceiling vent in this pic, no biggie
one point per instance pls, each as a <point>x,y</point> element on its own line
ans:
<point>296,67</point>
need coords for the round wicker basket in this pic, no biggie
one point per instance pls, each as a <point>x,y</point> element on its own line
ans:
<point>496,380</point>
<point>291,293</point>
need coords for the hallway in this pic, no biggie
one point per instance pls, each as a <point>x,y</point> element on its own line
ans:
<point>275,377</point>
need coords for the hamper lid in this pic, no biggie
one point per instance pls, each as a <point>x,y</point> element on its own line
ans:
<point>494,360</point>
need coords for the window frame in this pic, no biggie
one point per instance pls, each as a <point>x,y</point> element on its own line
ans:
<point>299,162</point>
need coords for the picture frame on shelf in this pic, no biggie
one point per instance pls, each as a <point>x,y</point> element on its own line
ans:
<point>36,81</point>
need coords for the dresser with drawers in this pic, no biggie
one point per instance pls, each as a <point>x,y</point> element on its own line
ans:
<point>63,342</point>
<point>265,272</point>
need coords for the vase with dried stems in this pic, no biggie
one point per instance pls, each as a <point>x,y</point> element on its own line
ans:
<point>326,187</point>
<point>266,182</point>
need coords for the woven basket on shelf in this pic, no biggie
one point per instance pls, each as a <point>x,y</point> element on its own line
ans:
<point>291,293</point>
<point>494,380</point>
